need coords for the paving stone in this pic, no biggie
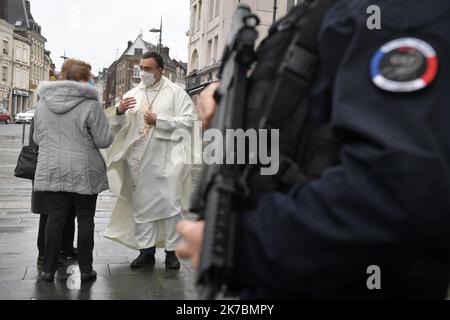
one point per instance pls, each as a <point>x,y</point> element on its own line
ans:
<point>173,280</point>
<point>126,283</point>
<point>12,274</point>
<point>7,263</point>
<point>173,295</point>
<point>124,269</point>
<point>111,260</point>
<point>10,221</point>
<point>12,229</point>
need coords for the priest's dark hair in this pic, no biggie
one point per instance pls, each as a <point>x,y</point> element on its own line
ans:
<point>154,55</point>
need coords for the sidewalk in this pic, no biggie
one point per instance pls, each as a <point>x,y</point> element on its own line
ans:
<point>18,251</point>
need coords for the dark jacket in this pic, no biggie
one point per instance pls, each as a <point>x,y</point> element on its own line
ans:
<point>388,203</point>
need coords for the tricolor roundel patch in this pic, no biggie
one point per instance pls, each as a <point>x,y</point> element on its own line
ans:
<point>404,65</point>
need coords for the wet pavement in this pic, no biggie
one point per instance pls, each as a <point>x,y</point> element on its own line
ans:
<point>19,274</point>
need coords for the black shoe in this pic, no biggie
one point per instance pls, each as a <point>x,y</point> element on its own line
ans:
<point>172,261</point>
<point>143,260</point>
<point>48,277</point>
<point>71,254</point>
<point>88,277</point>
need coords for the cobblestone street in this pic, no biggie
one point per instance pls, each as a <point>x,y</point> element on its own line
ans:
<point>19,274</point>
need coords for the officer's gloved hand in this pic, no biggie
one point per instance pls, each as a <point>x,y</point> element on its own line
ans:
<point>207,104</point>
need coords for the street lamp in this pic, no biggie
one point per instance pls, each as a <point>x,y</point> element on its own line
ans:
<point>160,36</point>
<point>64,57</point>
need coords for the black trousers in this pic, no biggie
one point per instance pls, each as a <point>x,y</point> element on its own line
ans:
<point>59,204</point>
<point>68,233</point>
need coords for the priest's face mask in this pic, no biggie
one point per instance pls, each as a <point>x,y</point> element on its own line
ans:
<point>151,72</point>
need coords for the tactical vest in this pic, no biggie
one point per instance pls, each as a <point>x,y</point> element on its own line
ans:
<point>286,63</point>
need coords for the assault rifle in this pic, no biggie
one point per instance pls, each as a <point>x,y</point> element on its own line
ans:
<point>220,188</point>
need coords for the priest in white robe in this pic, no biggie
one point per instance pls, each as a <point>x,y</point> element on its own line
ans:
<point>148,166</point>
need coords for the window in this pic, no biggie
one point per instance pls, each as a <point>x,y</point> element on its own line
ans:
<point>24,79</point>
<point>17,78</point>
<point>217,7</point>
<point>138,51</point>
<point>25,55</point>
<point>18,54</point>
<point>194,60</point>
<point>136,71</point>
<point>5,46</point>
<point>211,9</point>
<point>194,19</point>
<point>209,54</point>
<point>199,15</point>
<point>5,73</point>
<point>216,46</point>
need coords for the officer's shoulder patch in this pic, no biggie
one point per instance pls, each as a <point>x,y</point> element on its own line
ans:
<point>404,65</point>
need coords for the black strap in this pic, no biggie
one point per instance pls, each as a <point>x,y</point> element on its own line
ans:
<point>310,30</point>
<point>294,79</point>
<point>299,65</point>
<point>289,172</point>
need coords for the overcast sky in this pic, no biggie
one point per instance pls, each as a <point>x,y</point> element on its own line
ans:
<point>94,30</point>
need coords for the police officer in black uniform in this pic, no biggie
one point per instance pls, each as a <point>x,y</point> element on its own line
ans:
<point>377,224</point>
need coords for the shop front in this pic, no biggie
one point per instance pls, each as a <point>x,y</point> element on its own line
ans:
<point>20,101</point>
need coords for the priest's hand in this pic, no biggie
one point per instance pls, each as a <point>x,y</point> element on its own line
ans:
<point>192,234</point>
<point>207,104</point>
<point>150,118</point>
<point>126,104</point>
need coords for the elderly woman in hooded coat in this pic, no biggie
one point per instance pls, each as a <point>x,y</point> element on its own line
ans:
<point>70,129</point>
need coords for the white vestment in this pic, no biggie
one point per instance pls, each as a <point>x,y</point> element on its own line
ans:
<point>149,167</point>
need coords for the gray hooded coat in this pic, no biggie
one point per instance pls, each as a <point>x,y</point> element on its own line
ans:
<point>70,128</point>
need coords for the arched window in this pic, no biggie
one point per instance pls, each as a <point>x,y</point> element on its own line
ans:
<point>194,60</point>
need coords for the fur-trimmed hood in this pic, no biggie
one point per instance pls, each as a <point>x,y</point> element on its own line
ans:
<point>62,96</point>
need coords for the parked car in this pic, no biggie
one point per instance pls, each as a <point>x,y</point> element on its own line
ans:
<point>5,116</point>
<point>25,117</point>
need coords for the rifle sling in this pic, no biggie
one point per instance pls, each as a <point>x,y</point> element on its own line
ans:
<point>294,78</point>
